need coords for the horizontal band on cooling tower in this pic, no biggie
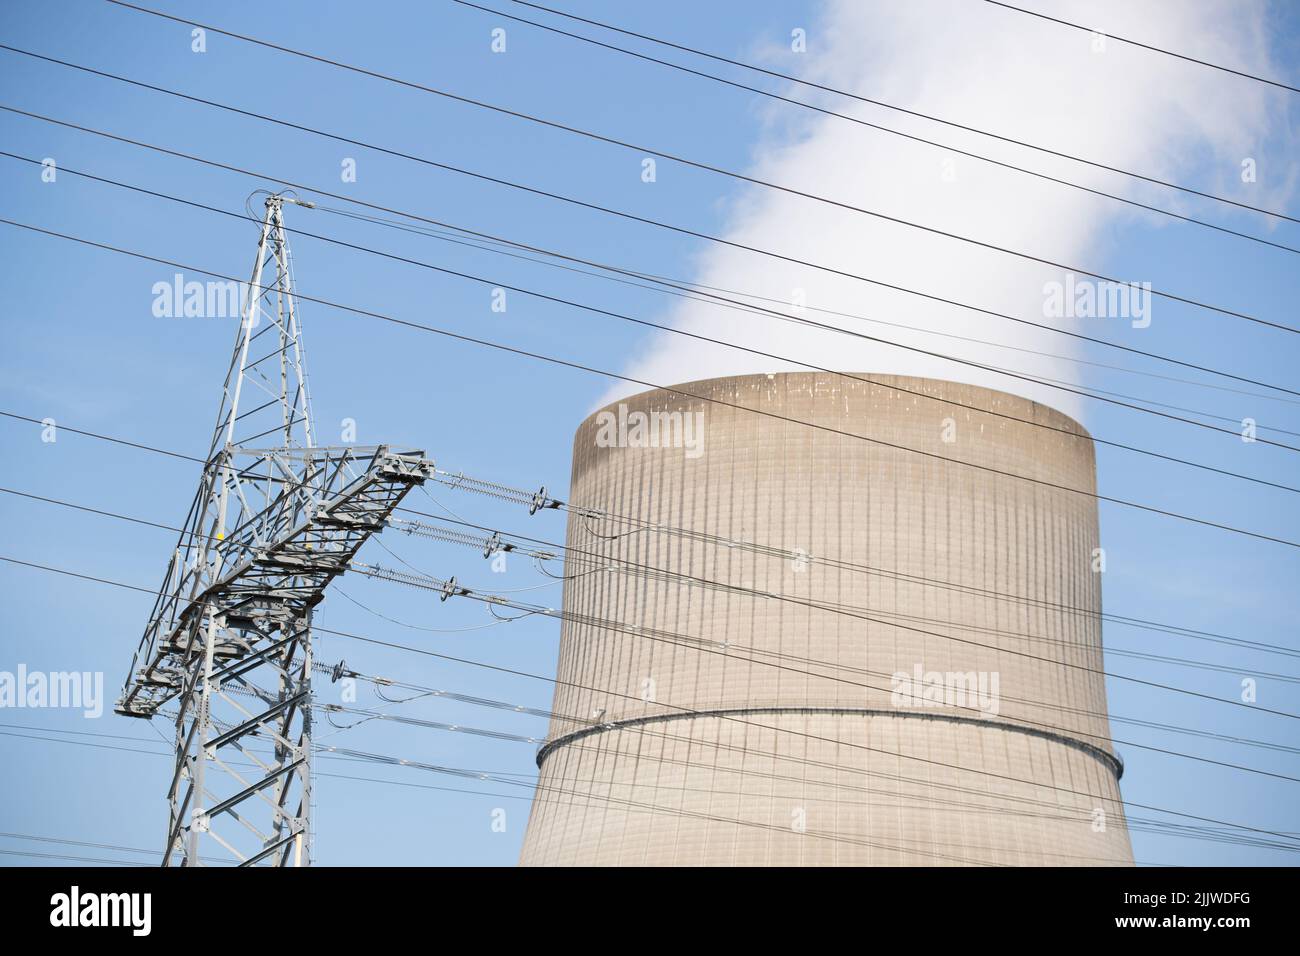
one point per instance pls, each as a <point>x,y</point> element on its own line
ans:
<point>1110,760</point>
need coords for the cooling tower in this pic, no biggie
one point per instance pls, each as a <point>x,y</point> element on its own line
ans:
<point>786,645</point>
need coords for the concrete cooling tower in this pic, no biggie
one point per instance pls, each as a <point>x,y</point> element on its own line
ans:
<point>784,645</point>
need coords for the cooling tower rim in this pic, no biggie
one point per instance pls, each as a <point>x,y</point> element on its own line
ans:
<point>1106,757</point>
<point>1032,412</point>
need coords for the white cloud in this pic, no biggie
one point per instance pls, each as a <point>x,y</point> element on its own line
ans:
<point>994,70</point>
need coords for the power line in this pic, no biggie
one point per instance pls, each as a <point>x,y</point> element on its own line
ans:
<point>352,754</point>
<point>595,561</point>
<point>94,511</point>
<point>420,692</point>
<point>572,684</point>
<point>495,537</point>
<point>446,333</point>
<point>837,609</point>
<point>588,797</point>
<point>449,588</point>
<point>369,715</point>
<point>460,481</point>
<point>784,553</point>
<point>607,313</point>
<point>108,438</point>
<point>707,647</point>
<point>464,773</point>
<point>676,811</point>
<point>732,174</point>
<point>694,291</point>
<point>35,838</point>
<point>1144,46</point>
<point>654,223</point>
<point>642,632</point>
<point>517,496</point>
<point>764,594</point>
<point>687,710</point>
<point>727,303</point>
<point>543,787</point>
<point>613,212</point>
<point>1139,824</point>
<point>423,693</point>
<point>834,608</point>
<point>425,652</point>
<point>121,749</point>
<point>70,858</point>
<point>599,562</point>
<point>824,111</point>
<point>793,361</point>
<point>933,803</point>
<point>909,112</point>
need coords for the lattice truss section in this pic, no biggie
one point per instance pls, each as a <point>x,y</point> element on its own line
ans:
<point>229,638</point>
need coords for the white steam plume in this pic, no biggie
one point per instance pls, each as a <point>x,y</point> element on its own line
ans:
<point>999,71</point>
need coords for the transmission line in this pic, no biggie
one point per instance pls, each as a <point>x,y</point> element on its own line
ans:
<point>498,542</point>
<point>425,652</point>
<point>494,542</point>
<point>607,313</point>
<point>34,838</point>
<point>838,609</point>
<point>1135,43</point>
<point>701,645</point>
<point>544,787</point>
<point>824,111</point>
<point>694,291</point>
<point>598,562</point>
<point>1151,509</point>
<point>641,632</point>
<point>425,692</point>
<point>947,805</point>
<point>1158,827</point>
<point>1135,824</point>
<point>909,112</point>
<point>649,221</point>
<point>288,183</point>
<point>687,710</point>
<point>421,692</point>
<point>731,174</point>
<point>517,496</point>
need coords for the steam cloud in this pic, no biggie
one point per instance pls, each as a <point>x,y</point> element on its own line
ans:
<point>997,71</point>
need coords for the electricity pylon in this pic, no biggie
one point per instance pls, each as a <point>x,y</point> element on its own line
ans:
<point>275,520</point>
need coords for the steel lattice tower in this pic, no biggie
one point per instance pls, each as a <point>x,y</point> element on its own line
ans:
<point>275,519</point>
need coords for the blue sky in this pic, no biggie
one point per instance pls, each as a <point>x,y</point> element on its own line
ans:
<point>83,347</point>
